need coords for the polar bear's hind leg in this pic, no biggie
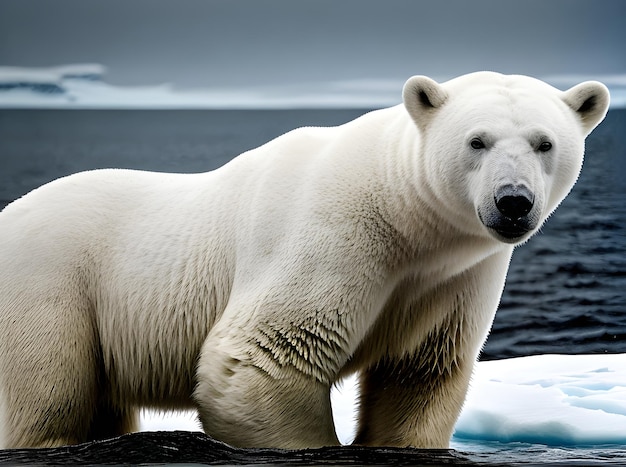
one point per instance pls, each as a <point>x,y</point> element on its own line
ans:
<point>52,376</point>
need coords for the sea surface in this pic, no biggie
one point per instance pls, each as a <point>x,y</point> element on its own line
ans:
<point>566,288</point>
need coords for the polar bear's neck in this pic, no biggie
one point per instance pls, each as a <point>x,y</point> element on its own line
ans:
<point>400,192</point>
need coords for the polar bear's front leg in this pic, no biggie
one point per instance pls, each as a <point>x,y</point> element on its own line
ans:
<point>405,403</point>
<point>249,394</point>
<point>414,397</point>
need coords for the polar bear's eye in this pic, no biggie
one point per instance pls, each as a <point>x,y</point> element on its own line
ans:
<point>477,143</point>
<point>545,146</point>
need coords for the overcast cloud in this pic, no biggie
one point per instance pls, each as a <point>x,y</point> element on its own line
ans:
<point>203,43</point>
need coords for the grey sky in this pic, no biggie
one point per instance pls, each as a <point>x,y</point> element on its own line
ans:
<point>198,43</point>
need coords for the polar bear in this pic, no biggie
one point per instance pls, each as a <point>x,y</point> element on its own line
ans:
<point>380,246</point>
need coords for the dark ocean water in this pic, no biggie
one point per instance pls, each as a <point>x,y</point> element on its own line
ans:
<point>566,289</point>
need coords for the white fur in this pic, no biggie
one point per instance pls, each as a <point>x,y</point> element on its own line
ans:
<point>248,291</point>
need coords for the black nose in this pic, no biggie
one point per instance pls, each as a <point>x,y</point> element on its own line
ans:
<point>513,201</point>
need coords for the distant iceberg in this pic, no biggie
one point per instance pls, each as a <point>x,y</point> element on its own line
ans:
<point>47,81</point>
<point>83,86</point>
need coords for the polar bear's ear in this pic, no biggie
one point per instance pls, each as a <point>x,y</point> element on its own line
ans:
<point>422,97</point>
<point>590,100</point>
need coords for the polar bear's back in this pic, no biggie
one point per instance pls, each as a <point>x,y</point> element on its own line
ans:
<point>86,214</point>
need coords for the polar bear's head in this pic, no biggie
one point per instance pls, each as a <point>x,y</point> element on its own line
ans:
<point>499,153</point>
